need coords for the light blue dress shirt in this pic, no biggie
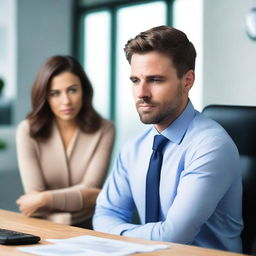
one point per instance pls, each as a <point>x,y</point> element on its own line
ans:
<point>200,187</point>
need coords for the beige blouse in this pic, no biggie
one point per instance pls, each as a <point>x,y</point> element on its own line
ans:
<point>65,173</point>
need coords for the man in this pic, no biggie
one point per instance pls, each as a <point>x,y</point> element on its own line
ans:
<point>198,200</point>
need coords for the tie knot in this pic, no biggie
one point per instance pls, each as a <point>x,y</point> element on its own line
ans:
<point>159,142</point>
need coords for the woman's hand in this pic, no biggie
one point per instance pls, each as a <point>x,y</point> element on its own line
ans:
<point>33,201</point>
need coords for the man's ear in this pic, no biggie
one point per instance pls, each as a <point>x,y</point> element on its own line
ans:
<point>188,80</point>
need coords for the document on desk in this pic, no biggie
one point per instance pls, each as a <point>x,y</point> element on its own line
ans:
<point>91,245</point>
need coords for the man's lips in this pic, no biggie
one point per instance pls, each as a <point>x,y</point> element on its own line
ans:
<point>145,107</point>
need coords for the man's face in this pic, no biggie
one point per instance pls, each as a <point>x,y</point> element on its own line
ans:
<point>159,94</point>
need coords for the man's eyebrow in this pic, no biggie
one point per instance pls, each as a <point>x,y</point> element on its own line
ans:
<point>155,76</point>
<point>149,77</point>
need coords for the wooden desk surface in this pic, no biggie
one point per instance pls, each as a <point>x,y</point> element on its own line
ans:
<point>46,229</point>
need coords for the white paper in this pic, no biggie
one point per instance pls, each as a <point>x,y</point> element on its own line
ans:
<point>91,245</point>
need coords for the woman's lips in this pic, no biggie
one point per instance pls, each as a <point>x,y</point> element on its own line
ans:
<point>67,111</point>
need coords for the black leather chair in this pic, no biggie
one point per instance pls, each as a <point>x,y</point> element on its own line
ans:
<point>240,123</point>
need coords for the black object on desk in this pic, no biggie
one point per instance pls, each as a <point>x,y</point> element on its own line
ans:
<point>14,237</point>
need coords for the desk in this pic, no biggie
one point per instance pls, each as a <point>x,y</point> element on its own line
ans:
<point>46,229</point>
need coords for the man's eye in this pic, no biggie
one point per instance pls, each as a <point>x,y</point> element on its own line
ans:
<point>156,80</point>
<point>135,80</point>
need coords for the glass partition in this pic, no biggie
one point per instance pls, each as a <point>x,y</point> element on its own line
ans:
<point>97,58</point>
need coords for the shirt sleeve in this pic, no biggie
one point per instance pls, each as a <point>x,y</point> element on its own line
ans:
<point>115,203</point>
<point>74,198</point>
<point>210,168</point>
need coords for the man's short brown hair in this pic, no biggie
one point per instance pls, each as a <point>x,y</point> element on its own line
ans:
<point>168,41</point>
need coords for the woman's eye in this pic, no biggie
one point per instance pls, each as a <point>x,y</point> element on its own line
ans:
<point>54,94</point>
<point>72,90</point>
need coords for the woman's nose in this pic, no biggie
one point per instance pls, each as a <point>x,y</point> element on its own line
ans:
<point>65,98</point>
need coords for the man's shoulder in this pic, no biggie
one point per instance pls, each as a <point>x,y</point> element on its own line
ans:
<point>201,124</point>
<point>203,129</point>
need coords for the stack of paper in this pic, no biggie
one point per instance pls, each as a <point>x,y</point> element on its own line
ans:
<point>91,245</point>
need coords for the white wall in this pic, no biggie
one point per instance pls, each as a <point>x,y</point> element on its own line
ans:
<point>229,55</point>
<point>44,28</point>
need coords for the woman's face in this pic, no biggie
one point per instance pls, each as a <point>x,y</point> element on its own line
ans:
<point>65,96</point>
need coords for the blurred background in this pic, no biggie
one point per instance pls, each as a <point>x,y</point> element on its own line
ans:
<point>95,32</point>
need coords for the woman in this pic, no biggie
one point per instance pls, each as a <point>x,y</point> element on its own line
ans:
<point>63,146</point>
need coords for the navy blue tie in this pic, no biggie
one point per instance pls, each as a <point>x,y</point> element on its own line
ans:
<point>153,180</point>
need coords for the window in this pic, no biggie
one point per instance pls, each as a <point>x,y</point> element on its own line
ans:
<point>97,58</point>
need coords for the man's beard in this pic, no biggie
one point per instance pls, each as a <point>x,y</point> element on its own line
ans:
<point>160,114</point>
<point>155,116</point>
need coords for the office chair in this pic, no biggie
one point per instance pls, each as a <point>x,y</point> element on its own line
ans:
<point>240,123</point>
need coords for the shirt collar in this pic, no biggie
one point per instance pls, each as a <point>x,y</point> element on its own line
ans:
<point>177,129</point>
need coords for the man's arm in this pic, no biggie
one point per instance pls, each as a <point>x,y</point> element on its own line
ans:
<point>209,171</point>
<point>115,204</point>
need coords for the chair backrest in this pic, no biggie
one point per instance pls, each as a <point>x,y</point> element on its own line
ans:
<point>240,123</point>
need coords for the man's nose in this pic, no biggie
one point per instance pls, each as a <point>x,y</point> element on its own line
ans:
<point>143,90</point>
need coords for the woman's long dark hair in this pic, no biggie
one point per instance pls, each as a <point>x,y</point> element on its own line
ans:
<point>41,116</point>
